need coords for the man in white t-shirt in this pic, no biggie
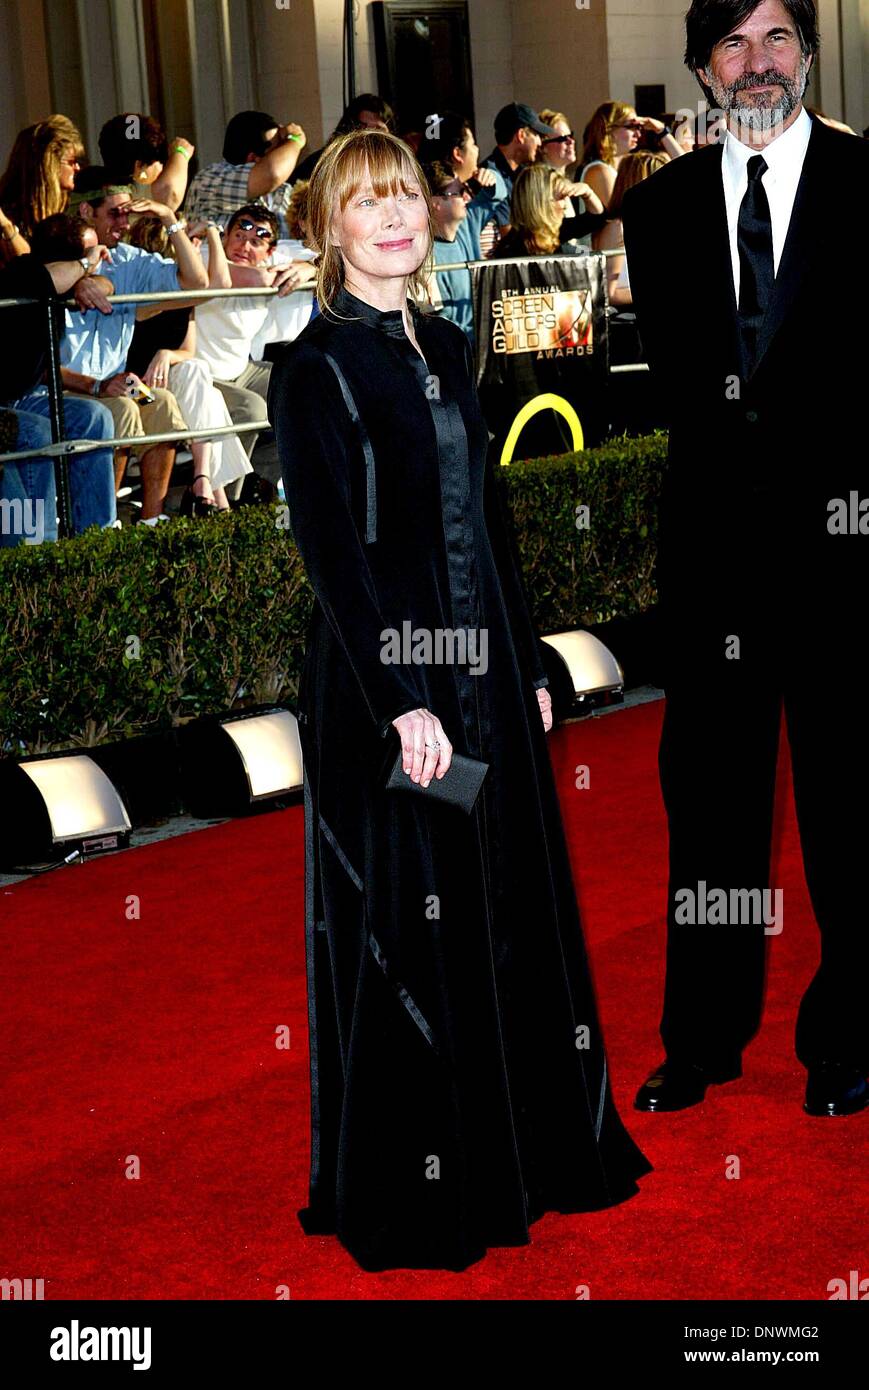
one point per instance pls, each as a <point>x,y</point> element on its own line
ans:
<point>226,327</point>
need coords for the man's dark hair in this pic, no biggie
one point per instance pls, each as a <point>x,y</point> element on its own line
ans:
<point>709,21</point>
<point>257,213</point>
<point>368,101</point>
<point>452,132</point>
<point>506,125</point>
<point>58,238</point>
<point>121,149</point>
<point>246,134</point>
<point>91,185</point>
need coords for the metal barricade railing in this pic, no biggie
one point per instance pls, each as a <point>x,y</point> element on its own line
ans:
<point>61,448</point>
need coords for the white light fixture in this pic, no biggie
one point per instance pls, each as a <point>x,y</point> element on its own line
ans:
<point>232,763</point>
<point>591,675</point>
<point>60,803</point>
<point>270,751</point>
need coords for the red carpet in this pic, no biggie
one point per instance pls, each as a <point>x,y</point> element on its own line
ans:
<point>156,1038</point>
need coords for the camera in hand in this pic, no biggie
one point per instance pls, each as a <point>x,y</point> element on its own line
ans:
<point>138,392</point>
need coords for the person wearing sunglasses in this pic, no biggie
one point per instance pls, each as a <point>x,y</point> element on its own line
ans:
<point>37,180</point>
<point>449,291</point>
<point>559,149</point>
<point>615,130</point>
<point>226,328</point>
<point>585,213</point>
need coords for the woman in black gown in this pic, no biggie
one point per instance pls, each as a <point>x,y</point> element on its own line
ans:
<point>459,1085</point>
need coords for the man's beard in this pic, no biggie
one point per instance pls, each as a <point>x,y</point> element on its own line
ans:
<point>761,115</point>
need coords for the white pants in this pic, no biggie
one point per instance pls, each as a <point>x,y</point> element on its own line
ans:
<point>202,405</point>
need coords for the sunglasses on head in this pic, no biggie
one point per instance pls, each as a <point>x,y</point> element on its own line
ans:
<point>246,225</point>
<point>558,139</point>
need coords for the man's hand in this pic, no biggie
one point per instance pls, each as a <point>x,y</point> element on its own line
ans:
<point>93,292</point>
<point>544,700</point>
<point>161,210</point>
<point>420,731</point>
<point>284,133</point>
<point>158,368</point>
<point>185,145</point>
<point>117,385</point>
<point>199,229</point>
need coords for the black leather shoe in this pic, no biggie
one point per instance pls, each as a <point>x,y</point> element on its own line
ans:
<point>679,1085</point>
<point>836,1089</point>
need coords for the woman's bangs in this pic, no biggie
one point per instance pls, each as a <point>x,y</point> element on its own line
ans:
<point>378,162</point>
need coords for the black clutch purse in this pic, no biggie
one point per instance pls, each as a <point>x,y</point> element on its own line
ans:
<point>460,787</point>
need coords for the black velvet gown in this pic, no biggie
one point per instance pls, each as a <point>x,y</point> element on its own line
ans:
<point>453,1100</point>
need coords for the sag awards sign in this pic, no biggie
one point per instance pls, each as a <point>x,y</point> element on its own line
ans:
<point>542,353</point>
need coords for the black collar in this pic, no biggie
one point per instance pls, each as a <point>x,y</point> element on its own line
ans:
<point>389,321</point>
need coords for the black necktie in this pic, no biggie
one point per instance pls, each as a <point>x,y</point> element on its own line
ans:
<point>756,264</point>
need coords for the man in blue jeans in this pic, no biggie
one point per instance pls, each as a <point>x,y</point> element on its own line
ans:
<point>28,503</point>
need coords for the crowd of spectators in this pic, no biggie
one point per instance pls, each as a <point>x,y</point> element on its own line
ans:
<point>137,224</point>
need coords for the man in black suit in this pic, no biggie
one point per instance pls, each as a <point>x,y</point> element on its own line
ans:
<point>755,341</point>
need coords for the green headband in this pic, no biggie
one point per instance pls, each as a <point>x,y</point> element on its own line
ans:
<point>108,190</point>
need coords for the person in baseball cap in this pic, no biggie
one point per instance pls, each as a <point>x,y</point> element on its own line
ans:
<point>519,133</point>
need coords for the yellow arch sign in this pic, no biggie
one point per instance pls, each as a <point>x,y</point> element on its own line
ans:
<point>545,402</point>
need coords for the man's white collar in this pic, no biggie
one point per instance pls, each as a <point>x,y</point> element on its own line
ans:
<point>789,145</point>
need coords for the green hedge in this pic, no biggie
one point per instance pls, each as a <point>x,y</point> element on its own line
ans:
<point>120,633</point>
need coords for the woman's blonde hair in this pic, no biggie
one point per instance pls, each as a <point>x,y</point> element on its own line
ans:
<point>30,188</point>
<point>633,169</point>
<point>598,142</point>
<point>297,209</point>
<point>534,218</point>
<point>342,168</point>
<point>549,117</point>
<point>149,234</point>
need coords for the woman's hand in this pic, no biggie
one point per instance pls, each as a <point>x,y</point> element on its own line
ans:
<point>544,700</point>
<point>158,368</point>
<point>292,277</point>
<point>420,731</point>
<point>586,192</point>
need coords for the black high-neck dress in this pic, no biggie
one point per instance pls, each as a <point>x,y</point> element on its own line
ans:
<point>453,1098</point>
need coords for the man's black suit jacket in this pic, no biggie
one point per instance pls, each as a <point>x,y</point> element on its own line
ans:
<point>792,437</point>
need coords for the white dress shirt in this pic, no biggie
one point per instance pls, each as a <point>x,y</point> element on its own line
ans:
<point>784,156</point>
